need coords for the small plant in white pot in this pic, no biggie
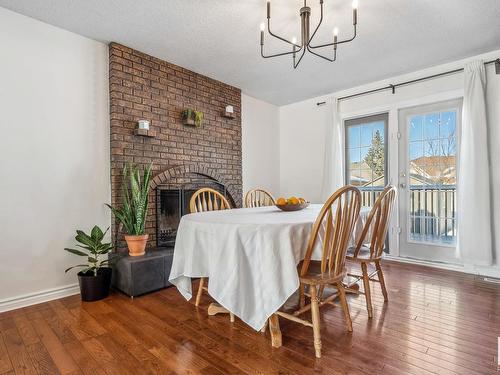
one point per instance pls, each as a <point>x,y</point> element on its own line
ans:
<point>95,277</point>
<point>132,213</point>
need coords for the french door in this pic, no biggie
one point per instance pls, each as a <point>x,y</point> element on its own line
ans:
<point>428,156</point>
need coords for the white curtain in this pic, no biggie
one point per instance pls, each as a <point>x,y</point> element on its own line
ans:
<point>474,216</point>
<point>333,172</point>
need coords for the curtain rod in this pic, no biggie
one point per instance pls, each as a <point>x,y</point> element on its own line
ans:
<point>394,86</point>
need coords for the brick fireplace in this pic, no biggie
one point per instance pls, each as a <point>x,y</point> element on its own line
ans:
<point>143,87</point>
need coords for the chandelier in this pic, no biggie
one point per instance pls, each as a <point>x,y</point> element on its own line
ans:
<point>298,50</point>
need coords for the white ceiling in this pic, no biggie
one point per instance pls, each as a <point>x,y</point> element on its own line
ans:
<point>220,38</point>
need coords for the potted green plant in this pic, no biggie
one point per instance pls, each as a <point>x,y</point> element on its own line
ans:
<point>132,213</point>
<point>95,277</point>
<point>192,117</point>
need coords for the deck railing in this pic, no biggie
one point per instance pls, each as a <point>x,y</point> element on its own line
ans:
<point>431,208</point>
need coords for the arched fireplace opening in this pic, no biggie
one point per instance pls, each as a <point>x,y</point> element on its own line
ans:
<point>173,189</point>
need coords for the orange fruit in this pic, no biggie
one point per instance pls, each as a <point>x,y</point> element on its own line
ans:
<point>281,201</point>
<point>293,200</point>
<point>302,200</point>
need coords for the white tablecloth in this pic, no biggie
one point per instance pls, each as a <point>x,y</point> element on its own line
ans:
<point>250,256</point>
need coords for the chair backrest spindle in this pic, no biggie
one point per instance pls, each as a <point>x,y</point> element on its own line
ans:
<point>258,198</point>
<point>207,199</point>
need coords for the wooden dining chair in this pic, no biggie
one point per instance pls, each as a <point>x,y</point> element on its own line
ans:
<point>370,245</point>
<point>337,217</point>
<point>258,198</point>
<point>203,200</point>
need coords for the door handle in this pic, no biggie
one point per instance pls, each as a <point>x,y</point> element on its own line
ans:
<point>402,186</point>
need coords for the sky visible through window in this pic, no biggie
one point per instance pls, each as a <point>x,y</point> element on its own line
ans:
<point>433,134</point>
<point>360,139</point>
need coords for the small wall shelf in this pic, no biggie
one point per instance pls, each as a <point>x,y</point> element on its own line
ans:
<point>145,133</point>
<point>228,115</point>
<point>188,122</point>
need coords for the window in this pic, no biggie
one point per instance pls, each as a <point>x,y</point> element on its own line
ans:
<point>366,155</point>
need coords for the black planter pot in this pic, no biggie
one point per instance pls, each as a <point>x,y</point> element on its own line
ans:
<point>94,288</point>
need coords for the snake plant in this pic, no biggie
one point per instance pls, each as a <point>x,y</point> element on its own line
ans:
<point>135,191</point>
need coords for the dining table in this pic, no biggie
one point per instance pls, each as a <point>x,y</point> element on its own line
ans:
<point>249,255</point>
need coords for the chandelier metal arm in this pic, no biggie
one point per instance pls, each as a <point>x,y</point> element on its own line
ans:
<point>277,36</point>
<point>277,54</point>
<point>295,65</point>
<point>324,57</point>
<point>337,43</point>
<point>319,24</point>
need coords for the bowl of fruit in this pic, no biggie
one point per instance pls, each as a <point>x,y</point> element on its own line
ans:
<point>291,204</point>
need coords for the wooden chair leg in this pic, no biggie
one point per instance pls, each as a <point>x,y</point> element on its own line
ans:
<point>274,328</point>
<point>366,283</point>
<point>382,280</point>
<point>200,291</point>
<point>302,297</point>
<point>315,320</point>
<point>345,306</point>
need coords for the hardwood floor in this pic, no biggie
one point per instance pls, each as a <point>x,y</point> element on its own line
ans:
<point>436,322</point>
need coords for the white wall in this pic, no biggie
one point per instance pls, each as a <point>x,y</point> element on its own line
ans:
<point>260,145</point>
<point>54,153</point>
<point>303,124</point>
<point>302,131</point>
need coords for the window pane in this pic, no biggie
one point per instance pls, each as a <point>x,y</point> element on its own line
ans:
<point>431,148</point>
<point>416,150</point>
<point>365,154</point>
<point>447,125</point>
<point>379,127</point>
<point>366,135</point>
<point>431,126</point>
<point>416,128</point>
<point>354,157</point>
<point>353,136</point>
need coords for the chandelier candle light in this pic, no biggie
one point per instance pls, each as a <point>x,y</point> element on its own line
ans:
<point>306,38</point>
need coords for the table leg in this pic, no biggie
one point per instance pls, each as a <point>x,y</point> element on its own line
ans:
<point>215,308</point>
<point>274,328</point>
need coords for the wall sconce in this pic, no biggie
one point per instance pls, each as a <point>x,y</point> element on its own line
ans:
<point>143,124</point>
<point>143,130</point>
<point>229,112</point>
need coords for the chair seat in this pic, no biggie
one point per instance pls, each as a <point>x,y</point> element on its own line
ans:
<point>363,254</point>
<point>316,277</point>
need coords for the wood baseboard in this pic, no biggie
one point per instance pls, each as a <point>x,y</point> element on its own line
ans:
<point>38,297</point>
<point>491,271</point>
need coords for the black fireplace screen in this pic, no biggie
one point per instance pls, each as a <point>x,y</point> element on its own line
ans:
<point>171,204</point>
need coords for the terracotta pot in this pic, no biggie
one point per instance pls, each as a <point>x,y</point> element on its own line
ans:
<point>137,244</point>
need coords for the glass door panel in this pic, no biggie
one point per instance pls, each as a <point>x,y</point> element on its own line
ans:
<point>428,155</point>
